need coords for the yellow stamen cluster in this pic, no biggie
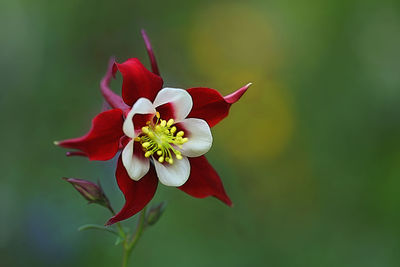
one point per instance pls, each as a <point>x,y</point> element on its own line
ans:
<point>160,139</point>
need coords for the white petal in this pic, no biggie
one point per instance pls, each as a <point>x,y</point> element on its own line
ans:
<point>200,139</point>
<point>141,106</point>
<point>175,174</point>
<point>180,100</point>
<point>136,166</point>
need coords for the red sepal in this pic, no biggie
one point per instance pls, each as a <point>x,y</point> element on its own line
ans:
<point>137,193</point>
<point>137,81</point>
<point>210,105</point>
<point>204,181</point>
<point>102,141</point>
<point>235,96</point>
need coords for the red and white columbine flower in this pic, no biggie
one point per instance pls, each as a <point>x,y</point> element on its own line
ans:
<point>163,134</point>
<point>164,142</point>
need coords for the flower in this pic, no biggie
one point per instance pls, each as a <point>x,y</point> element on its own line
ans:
<point>164,141</point>
<point>163,134</point>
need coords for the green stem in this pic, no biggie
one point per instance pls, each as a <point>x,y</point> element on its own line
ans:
<point>130,245</point>
<point>119,226</point>
<point>125,258</point>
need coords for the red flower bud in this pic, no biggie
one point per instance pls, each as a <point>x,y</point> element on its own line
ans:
<point>90,191</point>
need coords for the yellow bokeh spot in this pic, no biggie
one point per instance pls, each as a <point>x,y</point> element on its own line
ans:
<point>263,124</point>
<point>233,44</point>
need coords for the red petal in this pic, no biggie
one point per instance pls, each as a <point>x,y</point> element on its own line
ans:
<point>204,181</point>
<point>102,141</point>
<point>210,105</point>
<point>137,81</point>
<point>137,193</point>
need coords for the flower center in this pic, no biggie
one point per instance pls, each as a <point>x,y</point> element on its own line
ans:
<point>160,139</point>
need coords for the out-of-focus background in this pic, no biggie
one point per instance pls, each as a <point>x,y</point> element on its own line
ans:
<point>310,155</point>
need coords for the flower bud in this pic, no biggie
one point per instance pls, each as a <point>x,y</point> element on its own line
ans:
<point>155,212</point>
<point>90,191</point>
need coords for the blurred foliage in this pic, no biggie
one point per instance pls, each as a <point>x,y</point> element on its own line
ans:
<point>310,155</point>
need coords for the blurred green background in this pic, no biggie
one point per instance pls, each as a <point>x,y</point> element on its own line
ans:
<point>310,155</point>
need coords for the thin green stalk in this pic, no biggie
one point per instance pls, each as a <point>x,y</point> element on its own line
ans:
<point>129,245</point>
<point>119,226</point>
<point>125,258</point>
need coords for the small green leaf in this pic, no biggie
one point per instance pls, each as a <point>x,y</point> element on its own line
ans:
<point>98,227</point>
<point>119,240</point>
